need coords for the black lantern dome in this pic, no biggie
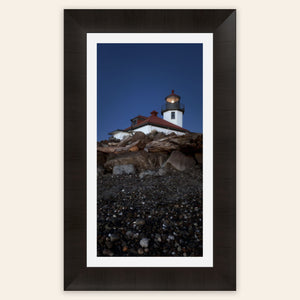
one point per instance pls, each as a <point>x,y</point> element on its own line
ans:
<point>172,103</point>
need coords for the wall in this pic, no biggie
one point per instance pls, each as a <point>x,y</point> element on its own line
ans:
<point>121,135</point>
<point>178,117</point>
<point>148,128</point>
<point>268,147</point>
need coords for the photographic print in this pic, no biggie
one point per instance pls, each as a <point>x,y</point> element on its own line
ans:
<point>149,137</point>
<point>149,150</point>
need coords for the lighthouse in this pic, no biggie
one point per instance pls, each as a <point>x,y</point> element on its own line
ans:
<point>173,110</point>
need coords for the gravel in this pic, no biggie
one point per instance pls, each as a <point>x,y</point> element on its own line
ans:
<point>150,216</point>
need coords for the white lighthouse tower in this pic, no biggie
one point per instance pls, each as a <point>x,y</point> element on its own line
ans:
<point>173,110</point>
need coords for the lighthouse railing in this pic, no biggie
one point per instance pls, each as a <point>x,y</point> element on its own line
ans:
<point>170,106</point>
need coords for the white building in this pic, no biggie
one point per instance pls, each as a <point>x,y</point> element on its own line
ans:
<point>172,120</point>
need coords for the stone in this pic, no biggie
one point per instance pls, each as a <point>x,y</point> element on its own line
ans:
<point>189,143</point>
<point>113,140</point>
<point>113,143</point>
<point>135,146</point>
<point>147,173</point>
<point>129,234</point>
<point>158,237</point>
<point>107,252</point>
<point>100,170</point>
<point>152,134</point>
<point>137,159</point>
<point>162,172</point>
<point>155,160</point>
<point>108,244</point>
<point>161,146</point>
<point>139,222</point>
<point>102,143</point>
<point>138,139</point>
<point>159,136</point>
<point>123,169</point>
<point>132,251</point>
<point>142,139</point>
<point>136,235</point>
<point>141,160</point>
<point>134,149</point>
<point>125,141</point>
<point>198,157</point>
<point>170,237</point>
<point>144,242</point>
<point>162,158</point>
<point>180,161</point>
<point>114,237</point>
<point>106,149</point>
<point>101,158</point>
<point>107,195</point>
<point>138,135</point>
<point>107,227</point>
<point>126,148</point>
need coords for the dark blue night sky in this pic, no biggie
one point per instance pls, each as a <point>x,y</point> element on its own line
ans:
<point>134,79</point>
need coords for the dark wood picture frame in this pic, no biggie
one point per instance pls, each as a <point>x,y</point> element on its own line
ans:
<point>222,23</point>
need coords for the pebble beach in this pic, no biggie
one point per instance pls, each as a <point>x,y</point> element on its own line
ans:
<point>150,215</point>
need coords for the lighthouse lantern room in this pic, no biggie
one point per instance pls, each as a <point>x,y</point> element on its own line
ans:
<point>173,110</point>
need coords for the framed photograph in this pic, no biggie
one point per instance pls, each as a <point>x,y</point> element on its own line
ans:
<point>149,164</point>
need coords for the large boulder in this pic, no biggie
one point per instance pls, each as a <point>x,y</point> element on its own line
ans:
<point>152,134</point>
<point>123,169</point>
<point>134,148</point>
<point>180,161</point>
<point>101,158</point>
<point>107,149</point>
<point>132,143</point>
<point>138,135</point>
<point>141,160</point>
<point>198,157</point>
<point>161,145</point>
<point>100,170</point>
<point>125,141</point>
<point>158,136</point>
<point>127,147</point>
<point>188,143</point>
<point>117,149</point>
<point>141,138</point>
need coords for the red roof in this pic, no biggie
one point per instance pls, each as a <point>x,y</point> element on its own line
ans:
<point>139,117</point>
<point>156,121</point>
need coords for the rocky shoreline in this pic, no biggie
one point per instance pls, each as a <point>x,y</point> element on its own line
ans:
<point>153,207</point>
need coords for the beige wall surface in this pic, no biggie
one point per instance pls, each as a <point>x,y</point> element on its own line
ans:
<point>268,164</point>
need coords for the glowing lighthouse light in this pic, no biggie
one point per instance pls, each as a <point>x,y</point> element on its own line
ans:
<point>172,98</point>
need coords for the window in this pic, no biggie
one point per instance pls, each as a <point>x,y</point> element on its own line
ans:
<point>173,115</point>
